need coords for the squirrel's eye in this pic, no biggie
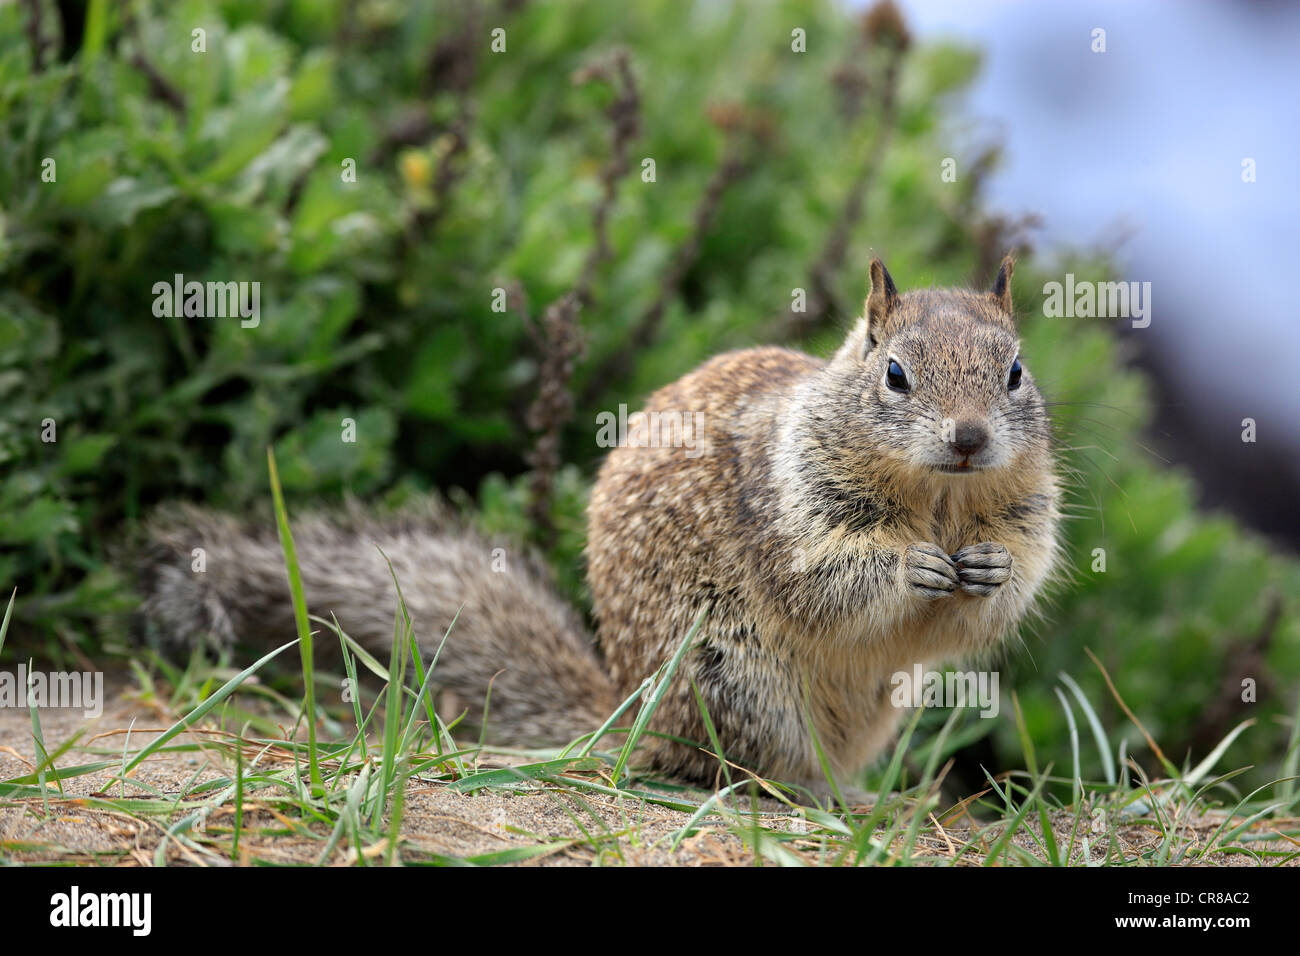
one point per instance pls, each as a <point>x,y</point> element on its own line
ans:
<point>1013,380</point>
<point>895,378</point>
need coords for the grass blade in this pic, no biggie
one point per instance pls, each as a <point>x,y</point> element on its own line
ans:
<point>662,681</point>
<point>197,714</point>
<point>305,645</point>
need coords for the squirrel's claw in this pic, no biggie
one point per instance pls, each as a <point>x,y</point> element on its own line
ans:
<point>929,571</point>
<point>982,568</point>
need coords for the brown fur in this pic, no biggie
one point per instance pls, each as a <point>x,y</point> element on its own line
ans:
<point>812,518</point>
<point>795,527</point>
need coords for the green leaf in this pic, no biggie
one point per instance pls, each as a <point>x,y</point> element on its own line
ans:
<point>84,452</point>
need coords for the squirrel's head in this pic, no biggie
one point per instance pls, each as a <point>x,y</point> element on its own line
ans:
<point>938,380</point>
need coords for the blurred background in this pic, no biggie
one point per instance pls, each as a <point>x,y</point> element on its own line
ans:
<point>475,225</point>
<point>1138,152</point>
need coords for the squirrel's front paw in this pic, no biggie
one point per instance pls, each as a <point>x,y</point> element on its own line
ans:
<point>928,571</point>
<point>981,568</point>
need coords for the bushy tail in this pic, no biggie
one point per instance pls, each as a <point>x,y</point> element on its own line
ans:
<point>547,683</point>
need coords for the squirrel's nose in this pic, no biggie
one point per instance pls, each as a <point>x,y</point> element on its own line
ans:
<point>969,438</point>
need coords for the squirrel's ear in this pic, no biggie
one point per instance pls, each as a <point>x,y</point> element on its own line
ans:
<point>880,301</point>
<point>1001,290</point>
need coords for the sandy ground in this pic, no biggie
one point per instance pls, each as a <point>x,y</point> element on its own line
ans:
<point>437,820</point>
<point>439,823</point>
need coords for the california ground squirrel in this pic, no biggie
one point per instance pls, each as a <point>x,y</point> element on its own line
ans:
<point>841,521</point>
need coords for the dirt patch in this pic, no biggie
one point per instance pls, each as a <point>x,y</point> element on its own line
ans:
<point>174,808</point>
<point>544,826</point>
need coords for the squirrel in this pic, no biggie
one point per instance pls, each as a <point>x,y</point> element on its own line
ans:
<point>836,521</point>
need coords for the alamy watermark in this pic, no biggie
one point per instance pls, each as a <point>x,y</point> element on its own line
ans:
<point>133,911</point>
<point>922,688</point>
<point>1102,300</point>
<point>665,429</point>
<point>213,300</point>
<point>74,690</point>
